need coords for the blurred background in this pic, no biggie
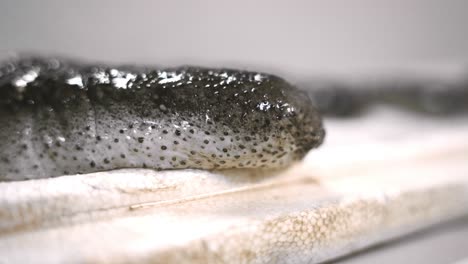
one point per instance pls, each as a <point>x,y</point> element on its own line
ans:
<point>297,39</point>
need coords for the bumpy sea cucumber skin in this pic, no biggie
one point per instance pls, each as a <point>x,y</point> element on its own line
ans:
<point>60,117</point>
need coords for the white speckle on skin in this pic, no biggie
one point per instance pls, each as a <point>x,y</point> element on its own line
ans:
<point>75,81</point>
<point>230,79</point>
<point>169,78</point>
<point>258,77</point>
<point>114,72</point>
<point>23,81</point>
<point>123,81</point>
<point>102,77</point>
<point>264,106</point>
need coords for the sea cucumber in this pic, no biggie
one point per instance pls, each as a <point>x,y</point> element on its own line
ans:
<point>61,117</point>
